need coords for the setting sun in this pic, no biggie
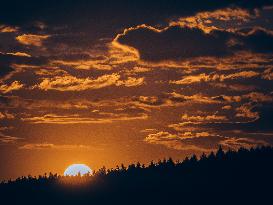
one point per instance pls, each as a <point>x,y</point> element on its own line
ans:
<point>75,169</point>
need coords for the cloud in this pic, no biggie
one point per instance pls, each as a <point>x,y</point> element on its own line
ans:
<point>131,82</point>
<point>234,86</point>
<point>258,97</point>
<point>201,141</point>
<point>5,71</point>
<point>72,83</point>
<point>227,107</point>
<point>48,146</point>
<point>251,97</point>
<point>84,64</point>
<point>149,100</point>
<point>193,79</point>
<point>207,118</point>
<point>5,139</point>
<point>15,62</point>
<point>44,70</point>
<point>268,74</point>
<point>37,104</point>
<point>32,39</point>
<point>174,99</point>
<point>19,54</point>
<point>258,40</point>
<point>57,13</point>
<point>8,29</point>
<point>15,85</point>
<point>206,21</point>
<point>77,119</point>
<point>197,98</point>
<point>214,77</point>
<point>149,130</point>
<point>177,43</point>
<point>6,115</point>
<point>250,118</point>
<point>236,143</point>
<point>173,141</point>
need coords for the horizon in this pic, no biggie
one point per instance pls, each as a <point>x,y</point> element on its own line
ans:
<point>219,155</point>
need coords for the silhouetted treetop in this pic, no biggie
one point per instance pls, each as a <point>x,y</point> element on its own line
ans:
<point>244,176</point>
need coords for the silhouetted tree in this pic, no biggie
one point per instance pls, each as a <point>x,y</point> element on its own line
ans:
<point>244,176</point>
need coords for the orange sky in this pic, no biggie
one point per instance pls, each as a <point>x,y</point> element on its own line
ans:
<point>137,82</point>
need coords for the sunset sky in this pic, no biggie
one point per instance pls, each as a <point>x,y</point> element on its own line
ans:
<point>110,82</point>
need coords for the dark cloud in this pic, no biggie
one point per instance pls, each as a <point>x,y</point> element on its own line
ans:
<point>265,121</point>
<point>260,41</point>
<point>69,41</point>
<point>6,61</point>
<point>102,16</point>
<point>5,70</point>
<point>176,43</point>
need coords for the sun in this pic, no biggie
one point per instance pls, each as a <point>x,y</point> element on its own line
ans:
<point>75,169</point>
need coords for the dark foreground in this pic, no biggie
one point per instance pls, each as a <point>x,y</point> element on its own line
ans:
<point>243,177</point>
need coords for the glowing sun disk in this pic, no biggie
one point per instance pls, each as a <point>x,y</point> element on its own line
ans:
<point>76,169</point>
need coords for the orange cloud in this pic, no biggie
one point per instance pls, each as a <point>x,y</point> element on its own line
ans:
<point>47,146</point>
<point>72,83</point>
<point>207,118</point>
<point>8,29</point>
<point>84,64</point>
<point>130,82</point>
<point>198,98</point>
<point>245,111</point>
<point>204,20</point>
<point>214,77</point>
<point>19,54</point>
<point>227,107</point>
<point>32,39</point>
<point>76,119</point>
<point>173,141</point>
<point>15,85</point>
<point>6,115</point>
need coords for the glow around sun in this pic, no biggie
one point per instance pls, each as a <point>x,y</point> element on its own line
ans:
<point>76,169</point>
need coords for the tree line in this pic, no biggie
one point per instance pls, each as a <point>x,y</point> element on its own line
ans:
<point>221,177</point>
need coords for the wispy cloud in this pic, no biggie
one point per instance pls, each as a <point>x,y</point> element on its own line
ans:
<point>214,77</point>
<point>174,141</point>
<point>72,83</point>
<point>6,139</point>
<point>77,119</point>
<point>48,146</point>
<point>236,143</point>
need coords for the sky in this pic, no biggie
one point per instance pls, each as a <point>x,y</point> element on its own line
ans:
<point>111,82</point>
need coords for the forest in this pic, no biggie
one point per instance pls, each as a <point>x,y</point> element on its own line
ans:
<point>243,176</point>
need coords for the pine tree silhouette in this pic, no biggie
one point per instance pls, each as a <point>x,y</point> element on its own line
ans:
<point>244,177</point>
